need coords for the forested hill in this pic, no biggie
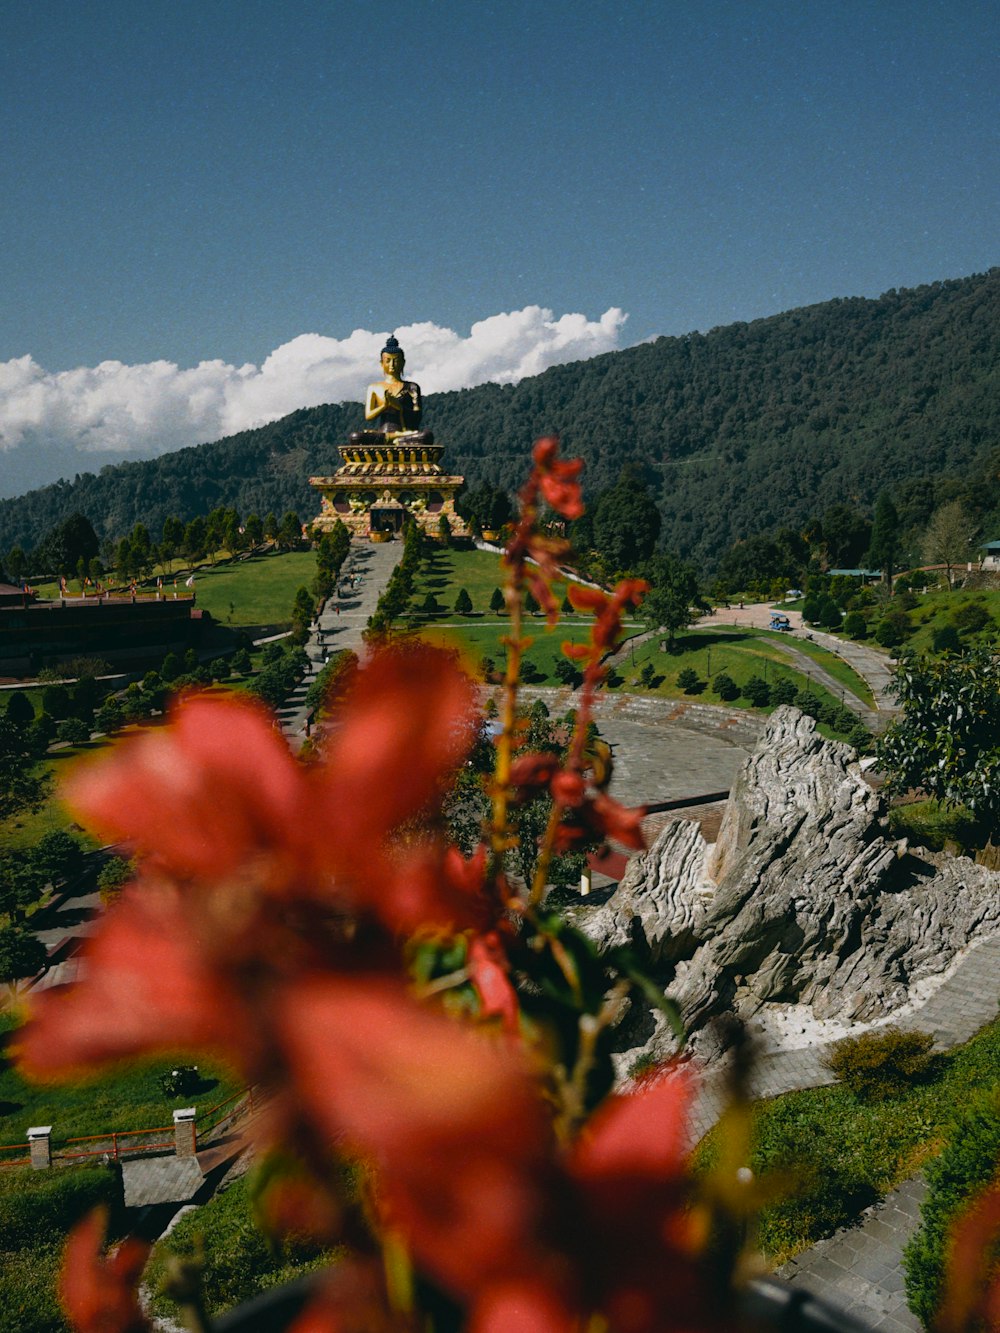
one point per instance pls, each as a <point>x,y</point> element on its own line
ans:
<point>740,429</point>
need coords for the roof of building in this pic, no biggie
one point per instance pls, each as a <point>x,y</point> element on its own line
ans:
<point>991,546</point>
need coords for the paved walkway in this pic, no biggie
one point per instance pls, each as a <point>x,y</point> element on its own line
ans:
<point>873,667</point>
<point>342,621</point>
<point>859,1269</point>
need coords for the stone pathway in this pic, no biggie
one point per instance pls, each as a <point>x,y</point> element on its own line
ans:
<point>873,667</point>
<point>370,564</point>
<point>859,1269</point>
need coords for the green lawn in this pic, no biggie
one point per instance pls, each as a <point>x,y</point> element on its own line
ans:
<point>28,826</point>
<point>835,1153</point>
<point>480,638</point>
<point>256,591</point>
<point>936,608</point>
<point>447,570</point>
<point>130,1097</point>
<point>739,653</point>
<point>832,664</point>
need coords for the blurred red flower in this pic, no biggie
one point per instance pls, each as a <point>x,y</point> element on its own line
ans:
<point>99,1293</point>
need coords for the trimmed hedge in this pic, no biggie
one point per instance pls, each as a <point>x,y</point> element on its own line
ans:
<point>882,1063</point>
<point>966,1166</point>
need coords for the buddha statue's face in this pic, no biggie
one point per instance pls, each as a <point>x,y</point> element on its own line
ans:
<point>392,365</point>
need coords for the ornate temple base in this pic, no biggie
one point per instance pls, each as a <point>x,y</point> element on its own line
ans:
<point>378,485</point>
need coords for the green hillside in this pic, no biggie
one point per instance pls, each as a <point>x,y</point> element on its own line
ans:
<point>738,430</point>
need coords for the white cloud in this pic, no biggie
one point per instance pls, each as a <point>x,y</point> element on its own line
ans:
<point>116,409</point>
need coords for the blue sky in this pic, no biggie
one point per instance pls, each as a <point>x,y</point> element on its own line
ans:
<point>206,182</point>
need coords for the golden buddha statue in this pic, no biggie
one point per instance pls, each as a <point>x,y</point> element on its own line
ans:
<point>393,404</point>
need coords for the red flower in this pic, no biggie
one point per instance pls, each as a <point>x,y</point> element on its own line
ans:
<point>608,611</point>
<point>558,478</point>
<point>235,833</point>
<point>150,984</point>
<point>489,971</point>
<point>450,1117</point>
<point>214,792</point>
<point>404,727</point>
<point>100,1294</point>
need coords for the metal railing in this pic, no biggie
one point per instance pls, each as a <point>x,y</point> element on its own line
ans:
<point>112,1145</point>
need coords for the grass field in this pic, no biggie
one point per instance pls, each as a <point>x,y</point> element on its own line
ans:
<point>837,1152</point>
<point>831,663</point>
<point>28,826</point>
<point>740,653</point>
<point>126,1098</point>
<point>936,608</point>
<point>256,591</point>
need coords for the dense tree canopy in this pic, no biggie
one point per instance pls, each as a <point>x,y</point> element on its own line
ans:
<point>626,523</point>
<point>740,431</point>
<point>947,738</point>
<point>672,595</point>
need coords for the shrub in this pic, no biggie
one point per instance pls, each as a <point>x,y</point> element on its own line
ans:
<point>689,681</point>
<point>934,824</point>
<point>180,1082</point>
<point>114,875</point>
<point>57,855</point>
<point>829,613</point>
<point>859,737</point>
<point>757,692</point>
<point>892,629</point>
<point>945,640</point>
<point>41,733</point>
<point>171,667</point>
<point>725,687</point>
<point>965,1167</point>
<point>110,715</point>
<point>881,1064</point>
<point>429,606</point>
<point>783,690</point>
<point>566,672</point>
<point>20,709</point>
<point>971,618</point>
<point>55,701</point>
<point>855,626</point>
<point>73,731</point>
<point>807,701</point>
<point>647,674</point>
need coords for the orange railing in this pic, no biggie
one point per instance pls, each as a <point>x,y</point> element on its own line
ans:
<point>116,1149</point>
<point>240,1104</point>
<point>111,1144</point>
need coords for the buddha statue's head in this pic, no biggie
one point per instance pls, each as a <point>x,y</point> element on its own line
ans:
<point>393,359</point>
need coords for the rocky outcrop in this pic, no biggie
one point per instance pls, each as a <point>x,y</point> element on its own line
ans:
<point>802,899</point>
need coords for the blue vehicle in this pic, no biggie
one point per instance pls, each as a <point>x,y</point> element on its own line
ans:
<point>779,621</point>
